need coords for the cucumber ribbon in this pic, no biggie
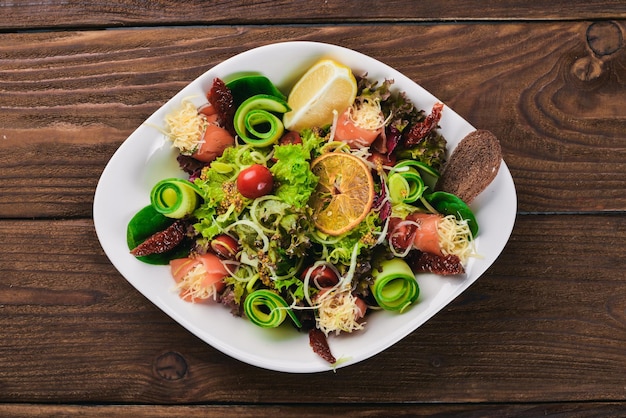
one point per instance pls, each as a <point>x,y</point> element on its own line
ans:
<point>267,309</point>
<point>394,287</point>
<point>409,179</point>
<point>256,122</point>
<point>174,197</point>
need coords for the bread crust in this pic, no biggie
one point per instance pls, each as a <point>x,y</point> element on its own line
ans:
<point>473,165</point>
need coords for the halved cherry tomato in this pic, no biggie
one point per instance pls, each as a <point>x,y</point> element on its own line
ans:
<point>291,137</point>
<point>401,233</point>
<point>383,159</point>
<point>225,246</point>
<point>255,181</point>
<point>322,276</point>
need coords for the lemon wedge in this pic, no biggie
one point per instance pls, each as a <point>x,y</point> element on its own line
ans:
<point>326,87</point>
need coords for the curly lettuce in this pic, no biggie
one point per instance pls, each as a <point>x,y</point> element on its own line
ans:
<point>292,173</point>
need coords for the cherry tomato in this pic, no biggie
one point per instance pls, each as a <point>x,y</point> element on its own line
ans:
<point>401,234</point>
<point>255,181</point>
<point>378,158</point>
<point>291,137</point>
<point>322,276</point>
<point>225,246</point>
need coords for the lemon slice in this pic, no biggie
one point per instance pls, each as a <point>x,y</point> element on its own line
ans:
<point>326,87</point>
<point>344,193</point>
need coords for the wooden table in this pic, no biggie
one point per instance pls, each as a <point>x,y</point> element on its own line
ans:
<point>542,332</point>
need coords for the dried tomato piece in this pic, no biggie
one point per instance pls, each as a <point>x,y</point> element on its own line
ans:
<point>319,344</point>
<point>221,98</point>
<point>445,265</point>
<point>162,241</point>
<point>421,129</point>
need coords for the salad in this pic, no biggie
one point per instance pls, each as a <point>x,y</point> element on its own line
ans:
<point>289,214</point>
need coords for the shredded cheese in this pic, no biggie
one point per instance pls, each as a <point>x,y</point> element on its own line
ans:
<point>185,127</point>
<point>191,286</point>
<point>337,312</point>
<point>455,238</point>
<point>367,114</point>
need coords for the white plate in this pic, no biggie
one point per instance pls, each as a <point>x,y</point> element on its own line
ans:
<point>146,157</point>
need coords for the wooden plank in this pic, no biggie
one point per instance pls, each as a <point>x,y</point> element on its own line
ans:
<point>115,13</point>
<point>552,94</point>
<point>592,409</point>
<point>547,323</point>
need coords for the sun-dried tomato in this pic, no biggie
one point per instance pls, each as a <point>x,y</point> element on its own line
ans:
<point>222,100</point>
<point>445,265</point>
<point>421,129</point>
<point>320,346</point>
<point>162,241</point>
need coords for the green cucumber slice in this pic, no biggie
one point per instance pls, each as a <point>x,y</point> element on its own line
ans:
<point>174,197</point>
<point>394,287</point>
<point>267,309</point>
<point>429,175</point>
<point>255,120</point>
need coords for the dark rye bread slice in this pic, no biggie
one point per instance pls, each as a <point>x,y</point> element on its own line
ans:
<point>472,166</point>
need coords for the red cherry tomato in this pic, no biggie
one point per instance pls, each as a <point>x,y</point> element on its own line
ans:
<point>401,234</point>
<point>322,276</point>
<point>378,158</point>
<point>225,246</point>
<point>255,181</point>
<point>291,137</point>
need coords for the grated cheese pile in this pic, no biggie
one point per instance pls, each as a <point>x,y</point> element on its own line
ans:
<point>185,127</point>
<point>455,238</point>
<point>368,115</point>
<point>192,287</point>
<point>337,311</point>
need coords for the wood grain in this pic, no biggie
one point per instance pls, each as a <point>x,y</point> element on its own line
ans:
<point>547,323</point>
<point>541,333</point>
<point>587,409</point>
<point>116,13</point>
<point>552,92</point>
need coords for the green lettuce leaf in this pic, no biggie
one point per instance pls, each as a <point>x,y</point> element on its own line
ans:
<point>294,181</point>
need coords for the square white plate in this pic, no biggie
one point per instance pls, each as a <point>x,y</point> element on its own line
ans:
<point>147,157</point>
